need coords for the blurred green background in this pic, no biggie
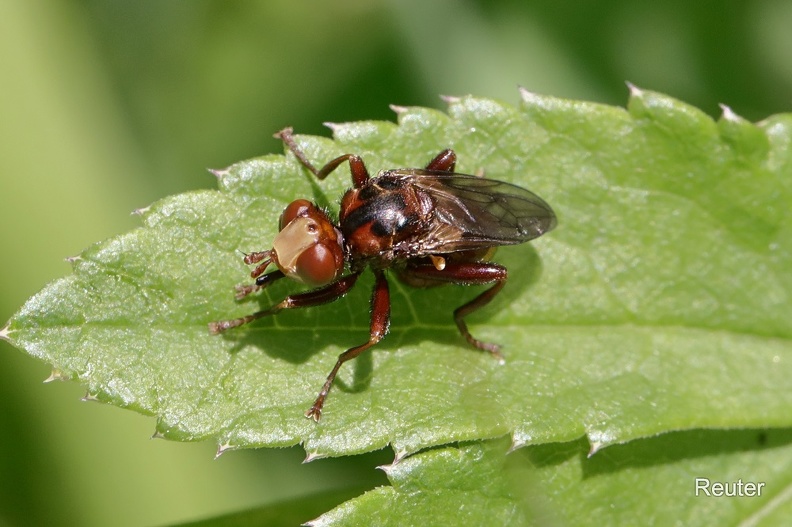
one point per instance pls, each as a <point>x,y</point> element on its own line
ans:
<point>108,105</point>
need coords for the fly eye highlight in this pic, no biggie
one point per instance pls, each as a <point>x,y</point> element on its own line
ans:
<point>300,208</point>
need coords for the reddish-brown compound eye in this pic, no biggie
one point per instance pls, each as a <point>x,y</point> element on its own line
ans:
<point>320,264</point>
<point>295,209</point>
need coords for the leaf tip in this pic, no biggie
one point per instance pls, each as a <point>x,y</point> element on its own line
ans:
<point>222,448</point>
<point>56,375</point>
<point>312,456</point>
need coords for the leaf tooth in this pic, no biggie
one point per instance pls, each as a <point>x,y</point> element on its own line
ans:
<point>635,91</point>
<point>595,446</point>
<point>387,469</point>
<point>157,435</point>
<point>5,333</point>
<point>398,110</point>
<point>450,99</point>
<point>399,455</point>
<point>222,448</point>
<point>316,522</point>
<point>73,259</point>
<point>527,95</point>
<point>516,444</point>
<point>313,456</point>
<point>219,173</point>
<point>57,375</point>
<point>599,438</point>
<point>90,397</point>
<point>728,114</point>
<point>334,127</point>
<point>141,211</point>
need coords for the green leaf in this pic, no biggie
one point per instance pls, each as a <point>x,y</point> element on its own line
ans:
<point>653,481</point>
<point>463,485</point>
<point>661,302</point>
<point>646,482</point>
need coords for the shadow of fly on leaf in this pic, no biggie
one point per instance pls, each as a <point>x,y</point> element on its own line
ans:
<point>429,226</point>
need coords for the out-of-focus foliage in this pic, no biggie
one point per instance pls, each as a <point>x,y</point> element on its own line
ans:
<point>109,105</point>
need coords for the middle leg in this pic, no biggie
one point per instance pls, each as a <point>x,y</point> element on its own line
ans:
<point>380,321</point>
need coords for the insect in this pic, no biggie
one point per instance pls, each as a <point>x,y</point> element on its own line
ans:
<point>427,226</point>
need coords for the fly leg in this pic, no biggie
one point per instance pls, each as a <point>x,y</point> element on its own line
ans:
<point>244,290</point>
<point>445,161</point>
<point>263,259</point>
<point>323,295</point>
<point>380,320</point>
<point>356,166</point>
<point>466,273</point>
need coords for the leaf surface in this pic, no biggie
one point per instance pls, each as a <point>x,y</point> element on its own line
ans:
<point>646,482</point>
<point>661,302</point>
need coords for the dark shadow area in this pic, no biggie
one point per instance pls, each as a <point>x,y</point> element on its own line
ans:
<point>298,334</point>
<point>553,454</point>
<point>663,449</point>
<point>435,306</point>
<point>353,476</point>
<point>292,512</point>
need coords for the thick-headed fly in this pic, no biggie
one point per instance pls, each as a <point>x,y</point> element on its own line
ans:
<point>428,226</point>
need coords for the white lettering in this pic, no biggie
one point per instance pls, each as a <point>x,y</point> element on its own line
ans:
<point>717,488</point>
<point>730,489</point>
<point>702,484</point>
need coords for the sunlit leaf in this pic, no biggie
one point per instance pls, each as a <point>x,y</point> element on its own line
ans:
<point>661,302</point>
<point>448,486</point>
<point>646,482</point>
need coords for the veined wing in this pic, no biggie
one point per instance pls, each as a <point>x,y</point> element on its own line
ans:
<point>471,212</point>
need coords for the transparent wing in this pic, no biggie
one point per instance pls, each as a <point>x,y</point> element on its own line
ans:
<point>473,212</point>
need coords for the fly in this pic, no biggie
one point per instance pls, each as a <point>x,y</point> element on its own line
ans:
<point>427,226</point>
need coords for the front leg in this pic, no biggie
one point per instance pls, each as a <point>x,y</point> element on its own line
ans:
<point>323,295</point>
<point>262,281</point>
<point>380,320</point>
<point>358,169</point>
